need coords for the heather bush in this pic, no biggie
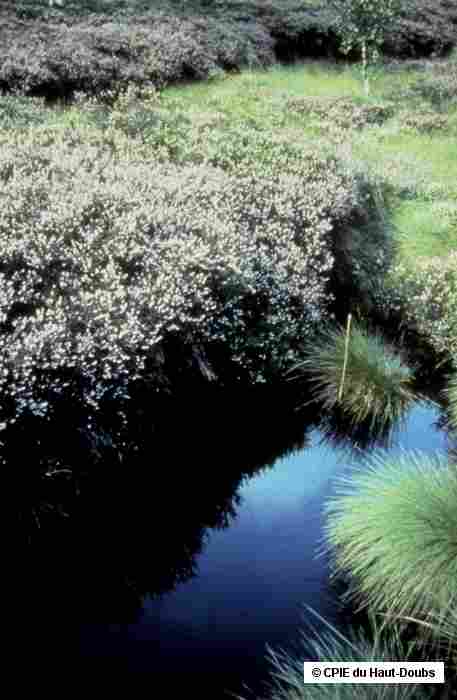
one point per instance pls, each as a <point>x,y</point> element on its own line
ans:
<point>172,49</point>
<point>97,53</point>
<point>58,60</point>
<point>423,121</point>
<point>106,252</point>
<point>362,245</point>
<point>234,46</point>
<point>340,112</point>
<point>426,296</point>
<point>91,44</point>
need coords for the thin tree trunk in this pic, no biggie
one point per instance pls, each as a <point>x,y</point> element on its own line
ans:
<point>366,83</point>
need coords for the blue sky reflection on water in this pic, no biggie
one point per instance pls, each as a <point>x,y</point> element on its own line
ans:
<point>254,576</point>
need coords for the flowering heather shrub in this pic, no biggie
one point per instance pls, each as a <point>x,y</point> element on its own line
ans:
<point>171,50</point>
<point>234,46</point>
<point>106,254</point>
<point>362,244</point>
<point>242,148</point>
<point>94,53</point>
<point>341,112</point>
<point>204,120</point>
<point>423,121</point>
<point>136,115</point>
<point>427,297</point>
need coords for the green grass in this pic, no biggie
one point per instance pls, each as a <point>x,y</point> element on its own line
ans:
<point>392,526</point>
<point>261,93</point>
<point>426,229</point>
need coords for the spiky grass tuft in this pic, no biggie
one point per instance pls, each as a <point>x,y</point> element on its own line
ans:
<point>365,376</point>
<point>443,631</point>
<point>333,647</point>
<point>451,395</point>
<point>393,529</point>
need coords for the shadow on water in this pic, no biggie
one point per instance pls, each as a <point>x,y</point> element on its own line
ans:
<point>183,549</point>
<point>113,526</point>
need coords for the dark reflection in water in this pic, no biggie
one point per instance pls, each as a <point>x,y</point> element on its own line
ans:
<point>185,557</point>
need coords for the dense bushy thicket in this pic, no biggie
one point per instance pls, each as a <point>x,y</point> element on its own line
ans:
<point>100,52</point>
<point>426,29</point>
<point>90,44</point>
<point>105,255</point>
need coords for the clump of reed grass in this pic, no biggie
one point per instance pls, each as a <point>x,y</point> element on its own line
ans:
<point>393,529</point>
<point>332,646</point>
<point>360,373</point>
<point>451,394</point>
<point>443,629</point>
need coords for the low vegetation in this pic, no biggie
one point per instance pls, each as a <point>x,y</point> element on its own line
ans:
<point>392,526</point>
<point>354,647</point>
<point>357,370</point>
<point>453,400</point>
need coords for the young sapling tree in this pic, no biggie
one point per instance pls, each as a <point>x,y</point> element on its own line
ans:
<point>362,25</point>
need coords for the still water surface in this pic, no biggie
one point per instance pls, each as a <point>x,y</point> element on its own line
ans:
<point>251,579</point>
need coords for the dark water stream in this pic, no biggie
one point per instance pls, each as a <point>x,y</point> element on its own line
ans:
<point>206,635</point>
